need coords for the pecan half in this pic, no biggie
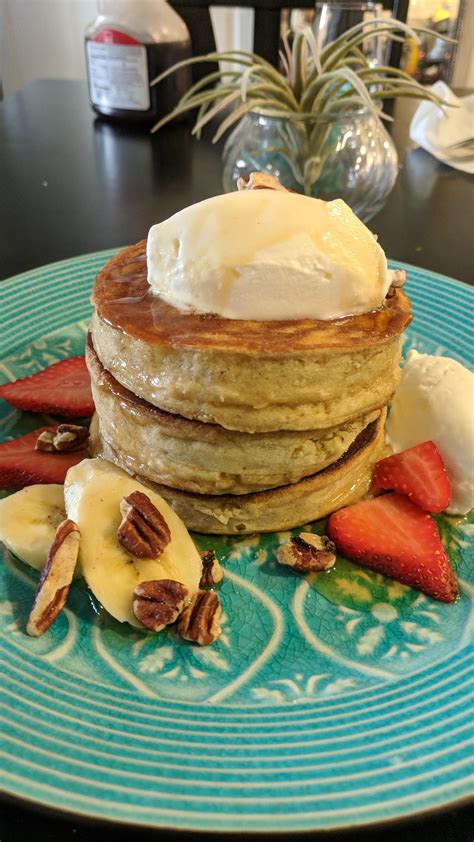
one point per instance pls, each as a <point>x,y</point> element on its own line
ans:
<point>307,553</point>
<point>200,620</point>
<point>143,530</point>
<point>212,573</point>
<point>259,181</point>
<point>56,578</point>
<point>159,602</point>
<point>66,438</point>
<point>399,278</point>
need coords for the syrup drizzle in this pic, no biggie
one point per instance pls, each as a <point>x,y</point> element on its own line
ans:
<point>125,301</point>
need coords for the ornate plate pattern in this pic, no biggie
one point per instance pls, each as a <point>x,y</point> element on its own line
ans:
<point>330,701</point>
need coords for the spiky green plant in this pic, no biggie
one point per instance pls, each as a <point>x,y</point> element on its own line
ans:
<point>314,83</point>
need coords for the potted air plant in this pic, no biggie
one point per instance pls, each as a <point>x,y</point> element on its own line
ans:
<point>317,124</point>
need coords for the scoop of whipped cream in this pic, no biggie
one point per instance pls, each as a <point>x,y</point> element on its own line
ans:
<point>267,255</point>
<point>435,400</point>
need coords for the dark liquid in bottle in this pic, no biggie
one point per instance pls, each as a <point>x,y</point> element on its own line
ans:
<point>164,96</point>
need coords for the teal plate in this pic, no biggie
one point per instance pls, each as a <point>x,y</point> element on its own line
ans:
<point>328,702</point>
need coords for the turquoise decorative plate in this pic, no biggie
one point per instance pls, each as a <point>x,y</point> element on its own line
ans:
<point>328,702</point>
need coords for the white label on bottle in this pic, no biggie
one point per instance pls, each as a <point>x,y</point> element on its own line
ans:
<point>118,76</point>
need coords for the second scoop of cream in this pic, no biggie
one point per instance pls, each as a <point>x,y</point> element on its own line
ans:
<point>267,255</point>
<point>435,401</point>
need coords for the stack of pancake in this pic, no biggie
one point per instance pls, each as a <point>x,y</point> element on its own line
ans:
<point>242,426</point>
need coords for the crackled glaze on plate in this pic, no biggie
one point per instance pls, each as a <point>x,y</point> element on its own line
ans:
<point>329,701</point>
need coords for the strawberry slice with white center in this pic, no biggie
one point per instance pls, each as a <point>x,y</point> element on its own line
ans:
<point>62,389</point>
<point>419,473</point>
<point>21,464</point>
<point>393,536</point>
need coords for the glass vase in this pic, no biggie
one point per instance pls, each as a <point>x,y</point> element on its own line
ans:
<point>346,155</point>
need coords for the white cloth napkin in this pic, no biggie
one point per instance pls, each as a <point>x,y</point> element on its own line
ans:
<point>447,133</point>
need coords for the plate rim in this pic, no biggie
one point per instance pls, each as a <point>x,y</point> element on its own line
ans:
<point>284,835</point>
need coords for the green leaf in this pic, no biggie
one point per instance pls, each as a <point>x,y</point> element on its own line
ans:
<point>371,27</point>
<point>318,84</point>
<point>232,118</point>
<point>212,112</point>
<point>201,112</point>
<point>231,56</point>
<point>297,66</point>
<point>211,78</point>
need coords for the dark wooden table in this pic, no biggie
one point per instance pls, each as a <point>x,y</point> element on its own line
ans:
<point>71,184</point>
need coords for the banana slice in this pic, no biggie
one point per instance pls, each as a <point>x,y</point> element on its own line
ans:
<point>92,492</point>
<point>29,519</point>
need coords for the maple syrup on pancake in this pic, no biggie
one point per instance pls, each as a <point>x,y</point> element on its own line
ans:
<point>125,300</point>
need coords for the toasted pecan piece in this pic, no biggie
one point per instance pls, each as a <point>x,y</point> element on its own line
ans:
<point>158,602</point>
<point>200,620</point>
<point>399,278</point>
<point>212,572</point>
<point>66,438</point>
<point>143,530</point>
<point>53,587</point>
<point>259,181</point>
<point>308,553</point>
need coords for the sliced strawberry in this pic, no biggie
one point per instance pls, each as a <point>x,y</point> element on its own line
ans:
<point>419,473</point>
<point>21,464</point>
<point>393,536</point>
<point>62,389</point>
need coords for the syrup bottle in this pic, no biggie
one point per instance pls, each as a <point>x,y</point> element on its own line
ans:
<point>127,46</point>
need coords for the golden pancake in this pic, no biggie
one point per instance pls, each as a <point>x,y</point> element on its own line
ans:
<point>206,458</point>
<point>340,484</point>
<point>244,375</point>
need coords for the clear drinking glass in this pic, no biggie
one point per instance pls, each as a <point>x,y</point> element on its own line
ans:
<point>333,17</point>
<point>345,155</point>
